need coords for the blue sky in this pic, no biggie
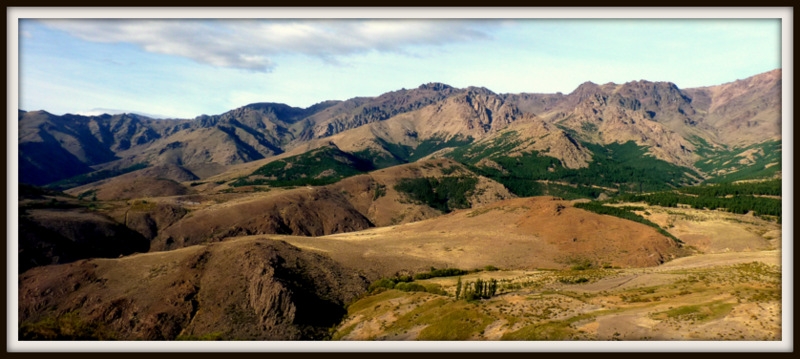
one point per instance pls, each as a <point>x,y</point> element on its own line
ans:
<point>184,68</point>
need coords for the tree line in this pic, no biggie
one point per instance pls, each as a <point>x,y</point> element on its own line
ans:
<point>739,204</point>
<point>479,289</point>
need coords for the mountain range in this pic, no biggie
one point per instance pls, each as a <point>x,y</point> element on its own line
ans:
<point>248,224</point>
<point>680,127</point>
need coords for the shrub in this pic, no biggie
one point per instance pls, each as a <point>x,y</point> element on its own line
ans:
<point>382,283</point>
<point>410,287</point>
<point>434,273</point>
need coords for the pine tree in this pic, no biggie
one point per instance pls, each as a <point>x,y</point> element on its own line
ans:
<point>458,288</point>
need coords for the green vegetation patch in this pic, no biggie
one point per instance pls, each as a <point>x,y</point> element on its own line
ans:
<point>446,272</point>
<point>723,164</point>
<point>372,300</point>
<point>341,333</point>
<point>588,127</point>
<point>408,154</point>
<point>705,197</point>
<point>700,312</point>
<point>445,194</point>
<point>624,167</point>
<point>445,320</point>
<point>317,167</point>
<point>378,159</point>
<point>571,192</point>
<point>762,188</point>
<point>479,289</point>
<point>379,191</point>
<point>92,193</point>
<point>396,154</point>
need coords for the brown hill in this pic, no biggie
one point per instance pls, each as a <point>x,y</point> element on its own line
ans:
<point>53,236</point>
<point>154,181</point>
<point>148,218</point>
<point>243,290</point>
<point>522,233</point>
<point>302,212</point>
<point>352,204</point>
<point>375,195</point>
<point>131,185</point>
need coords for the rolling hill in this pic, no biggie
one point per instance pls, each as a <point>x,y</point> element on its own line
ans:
<point>352,204</point>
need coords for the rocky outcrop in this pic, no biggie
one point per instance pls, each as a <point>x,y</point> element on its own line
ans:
<point>239,290</point>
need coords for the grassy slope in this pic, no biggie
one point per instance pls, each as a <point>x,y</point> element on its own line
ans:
<point>723,164</point>
<point>582,305</point>
<point>317,167</point>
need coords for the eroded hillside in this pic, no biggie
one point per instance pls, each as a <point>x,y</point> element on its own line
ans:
<point>242,289</point>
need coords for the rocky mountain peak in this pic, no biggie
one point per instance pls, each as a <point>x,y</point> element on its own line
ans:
<point>435,86</point>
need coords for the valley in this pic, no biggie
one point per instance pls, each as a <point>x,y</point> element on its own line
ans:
<point>636,211</point>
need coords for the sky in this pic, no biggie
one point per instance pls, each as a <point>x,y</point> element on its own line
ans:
<point>183,68</point>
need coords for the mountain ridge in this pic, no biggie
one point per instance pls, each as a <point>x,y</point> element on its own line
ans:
<point>656,115</point>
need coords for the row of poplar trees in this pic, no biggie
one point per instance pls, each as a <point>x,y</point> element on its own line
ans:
<point>479,289</point>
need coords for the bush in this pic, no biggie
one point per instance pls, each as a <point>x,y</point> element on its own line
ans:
<point>582,265</point>
<point>434,289</point>
<point>434,273</point>
<point>410,287</point>
<point>382,283</point>
<point>380,191</point>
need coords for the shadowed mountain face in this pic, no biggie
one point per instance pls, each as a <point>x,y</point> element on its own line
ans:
<point>54,236</point>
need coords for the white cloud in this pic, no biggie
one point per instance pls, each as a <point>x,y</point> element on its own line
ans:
<point>251,44</point>
<point>101,111</point>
